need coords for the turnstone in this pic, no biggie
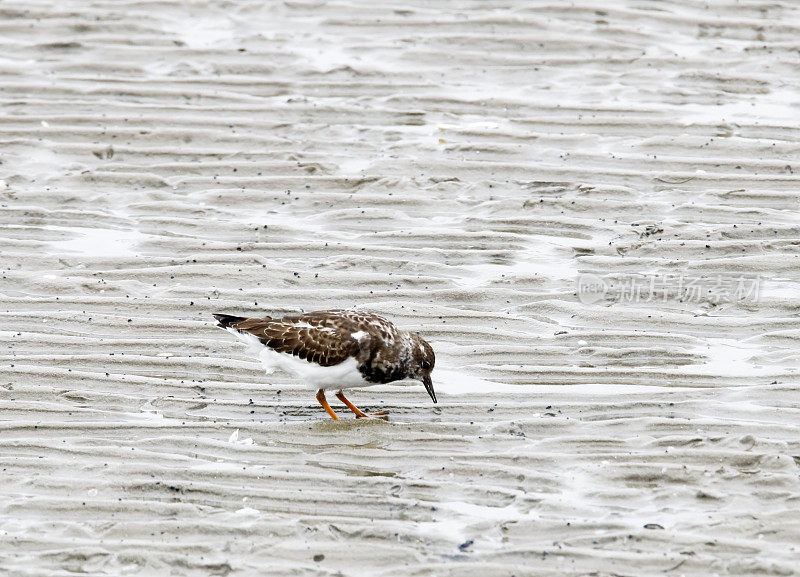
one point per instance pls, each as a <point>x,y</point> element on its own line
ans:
<point>336,349</point>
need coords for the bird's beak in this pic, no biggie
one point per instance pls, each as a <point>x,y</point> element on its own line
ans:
<point>426,380</point>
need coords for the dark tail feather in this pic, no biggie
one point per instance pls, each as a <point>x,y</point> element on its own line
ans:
<point>225,321</point>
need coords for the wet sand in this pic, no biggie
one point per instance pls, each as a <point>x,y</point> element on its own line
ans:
<point>457,170</point>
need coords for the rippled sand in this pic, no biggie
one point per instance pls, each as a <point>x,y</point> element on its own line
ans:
<point>456,168</point>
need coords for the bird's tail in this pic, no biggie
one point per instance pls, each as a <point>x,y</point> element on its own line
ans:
<point>225,321</point>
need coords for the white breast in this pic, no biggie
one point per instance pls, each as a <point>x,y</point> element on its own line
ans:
<point>341,376</point>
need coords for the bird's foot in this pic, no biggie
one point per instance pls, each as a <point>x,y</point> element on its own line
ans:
<point>379,415</point>
<point>358,412</point>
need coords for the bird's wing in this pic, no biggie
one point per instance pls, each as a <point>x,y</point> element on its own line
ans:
<point>350,321</point>
<point>304,338</point>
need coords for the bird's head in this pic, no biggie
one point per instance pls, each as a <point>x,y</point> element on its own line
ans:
<point>422,362</point>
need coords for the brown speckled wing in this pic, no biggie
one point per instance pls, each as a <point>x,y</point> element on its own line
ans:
<point>324,343</point>
<point>352,321</point>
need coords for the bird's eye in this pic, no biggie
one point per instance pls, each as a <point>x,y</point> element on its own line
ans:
<point>425,365</point>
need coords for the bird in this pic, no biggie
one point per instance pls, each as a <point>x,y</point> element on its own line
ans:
<point>336,349</point>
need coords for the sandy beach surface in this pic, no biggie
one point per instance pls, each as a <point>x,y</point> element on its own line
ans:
<point>590,209</point>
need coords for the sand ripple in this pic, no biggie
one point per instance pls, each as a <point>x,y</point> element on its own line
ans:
<point>458,170</point>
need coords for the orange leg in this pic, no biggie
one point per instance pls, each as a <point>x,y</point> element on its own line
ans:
<point>359,413</point>
<point>325,405</point>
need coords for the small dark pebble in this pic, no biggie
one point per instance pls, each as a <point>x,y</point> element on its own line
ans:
<point>319,557</point>
<point>465,545</point>
<point>653,526</point>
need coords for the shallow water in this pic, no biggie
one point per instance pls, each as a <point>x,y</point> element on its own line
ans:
<point>458,170</point>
